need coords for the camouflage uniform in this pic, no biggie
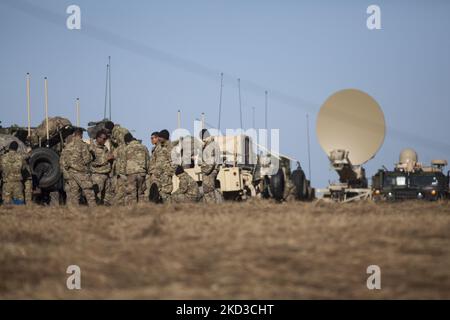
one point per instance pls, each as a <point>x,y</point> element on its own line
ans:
<point>119,180</point>
<point>137,166</point>
<point>101,169</point>
<point>150,179</point>
<point>12,166</point>
<point>28,180</point>
<point>187,191</point>
<point>75,163</point>
<point>210,169</point>
<point>164,169</point>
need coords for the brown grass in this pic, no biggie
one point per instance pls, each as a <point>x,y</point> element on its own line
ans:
<point>255,250</point>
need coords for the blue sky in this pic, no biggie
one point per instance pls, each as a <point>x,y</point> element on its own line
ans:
<point>168,55</point>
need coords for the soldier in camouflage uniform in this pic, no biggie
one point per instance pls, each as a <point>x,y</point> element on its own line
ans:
<point>101,168</point>
<point>188,190</point>
<point>151,167</point>
<point>119,165</point>
<point>12,167</point>
<point>137,166</point>
<point>28,179</point>
<point>164,168</point>
<point>209,168</point>
<point>75,163</point>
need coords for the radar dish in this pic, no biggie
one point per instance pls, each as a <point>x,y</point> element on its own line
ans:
<point>351,120</point>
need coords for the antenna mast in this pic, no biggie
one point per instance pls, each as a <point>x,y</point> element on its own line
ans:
<point>240,102</point>
<point>266,107</point>
<point>77,105</point>
<point>46,109</point>
<point>220,99</point>
<point>109,63</point>
<point>106,90</point>
<point>28,105</point>
<point>253,118</point>
<point>179,119</point>
<point>309,148</point>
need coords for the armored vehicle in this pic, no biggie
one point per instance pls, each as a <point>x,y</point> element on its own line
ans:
<point>411,180</point>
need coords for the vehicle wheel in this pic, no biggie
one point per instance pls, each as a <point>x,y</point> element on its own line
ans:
<point>44,164</point>
<point>277,185</point>
<point>300,183</point>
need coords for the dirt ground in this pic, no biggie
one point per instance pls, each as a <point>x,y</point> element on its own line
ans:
<point>252,250</point>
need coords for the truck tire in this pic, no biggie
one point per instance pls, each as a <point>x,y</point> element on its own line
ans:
<point>301,186</point>
<point>44,164</point>
<point>277,185</point>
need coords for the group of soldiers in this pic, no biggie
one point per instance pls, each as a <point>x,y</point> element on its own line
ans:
<point>114,169</point>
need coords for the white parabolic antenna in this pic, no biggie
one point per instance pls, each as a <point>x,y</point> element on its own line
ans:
<point>351,120</point>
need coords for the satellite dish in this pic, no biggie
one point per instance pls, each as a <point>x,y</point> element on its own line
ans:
<point>351,120</point>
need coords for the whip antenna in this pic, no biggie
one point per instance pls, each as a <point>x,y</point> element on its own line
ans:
<point>220,99</point>
<point>240,102</point>
<point>266,107</point>
<point>309,148</point>
<point>109,63</point>
<point>106,91</point>
<point>77,105</point>
<point>46,109</point>
<point>28,105</point>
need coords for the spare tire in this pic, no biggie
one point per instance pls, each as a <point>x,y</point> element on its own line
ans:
<point>300,183</point>
<point>44,164</point>
<point>277,185</point>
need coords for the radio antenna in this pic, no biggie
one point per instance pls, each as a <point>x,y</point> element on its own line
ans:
<point>309,148</point>
<point>28,105</point>
<point>240,102</point>
<point>266,110</point>
<point>46,109</point>
<point>77,106</point>
<point>253,118</point>
<point>220,99</point>
<point>106,91</point>
<point>109,63</point>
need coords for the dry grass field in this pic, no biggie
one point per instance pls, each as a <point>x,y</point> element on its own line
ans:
<point>255,250</point>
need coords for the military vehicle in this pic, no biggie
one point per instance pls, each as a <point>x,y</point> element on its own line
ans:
<point>243,173</point>
<point>350,129</point>
<point>411,180</point>
<point>43,146</point>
